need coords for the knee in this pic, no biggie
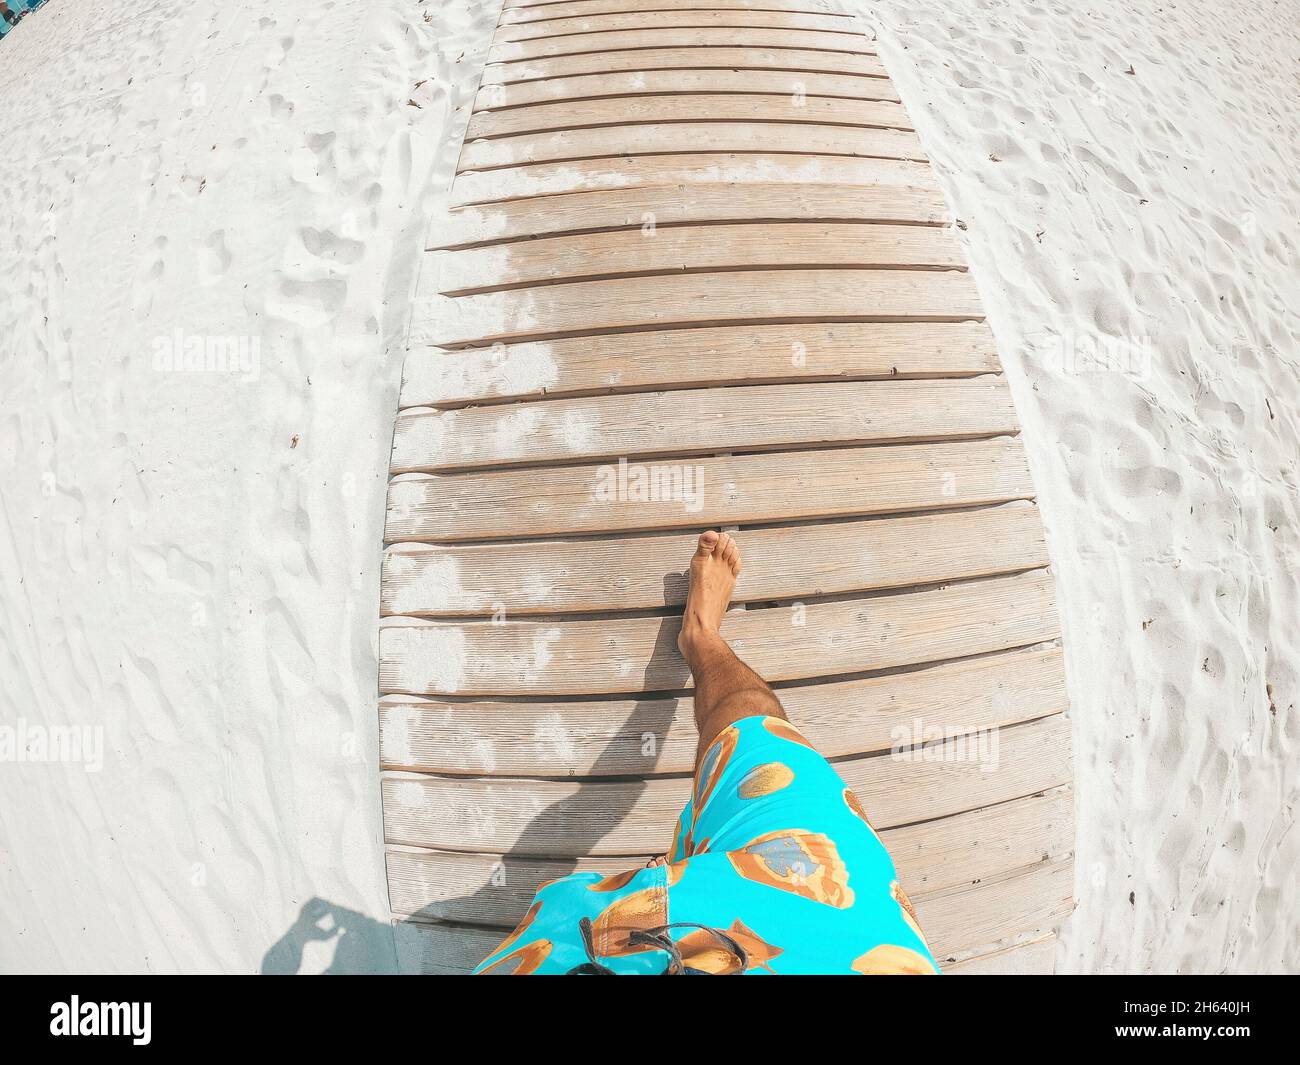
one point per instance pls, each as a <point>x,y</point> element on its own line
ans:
<point>749,701</point>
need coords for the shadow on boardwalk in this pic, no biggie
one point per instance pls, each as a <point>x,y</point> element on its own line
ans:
<point>366,945</point>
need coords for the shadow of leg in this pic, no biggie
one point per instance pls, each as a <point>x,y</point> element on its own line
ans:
<point>513,883</point>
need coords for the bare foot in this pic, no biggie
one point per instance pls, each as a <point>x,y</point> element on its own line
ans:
<point>660,860</point>
<point>714,569</point>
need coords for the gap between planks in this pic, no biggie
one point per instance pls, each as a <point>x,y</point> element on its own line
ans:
<point>674,206</point>
<point>736,297</point>
<point>643,84</point>
<point>541,180</point>
<point>639,654</point>
<point>966,848</point>
<point>724,56</point>
<point>725,247</point>
<point>784,108</point>
<point>695,357</point>
<point>684,138</point>
<point>752,488</point>
<point>551,818</point>
<point>685,38</point>
<point>649,572</point>
<point>708,421</point>
<point>607,738</point>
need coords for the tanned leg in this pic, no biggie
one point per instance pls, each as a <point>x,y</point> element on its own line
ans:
<point>726,689</point>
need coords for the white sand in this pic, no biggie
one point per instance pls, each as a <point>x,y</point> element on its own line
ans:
<point>1161,207</point>
<point>173,570</point>
<point>171,567</point>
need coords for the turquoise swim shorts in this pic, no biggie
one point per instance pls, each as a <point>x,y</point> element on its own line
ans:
<point>774,868</point>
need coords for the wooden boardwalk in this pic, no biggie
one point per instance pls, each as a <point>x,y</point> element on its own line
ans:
<point>698,273</point>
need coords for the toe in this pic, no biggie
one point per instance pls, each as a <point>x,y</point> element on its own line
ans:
<point>725,543</point>
<point>707,544</point>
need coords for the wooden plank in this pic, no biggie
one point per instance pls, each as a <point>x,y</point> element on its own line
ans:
<point>951,852</point>
<point>609,737</point>
<point>670,137</point>
<point>517,11</point>
<point>696,249</point>
<point>648,572</point>
<point>691,18</point>
<point>725,55</point>
<point>679,37</point>
<point>624,209</point>
<point>427,949</point>
<point>693,299</point>
<point>701,421</point>
<point>701,107</point>
<point>566,819</point>
<point>636,83</point>
<point>707,168</point>
<point>1037,957</point>
<point>692,358</point>
<point>780,643</point>
<point>496,889</point>
<point>706,493</point>
<point>645,252</point>
<point>967,919</point>
<point>1027,899</point>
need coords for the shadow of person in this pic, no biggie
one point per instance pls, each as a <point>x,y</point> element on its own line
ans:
<point>365,945</point>
<point>352,942</point>
<point>521,872</point>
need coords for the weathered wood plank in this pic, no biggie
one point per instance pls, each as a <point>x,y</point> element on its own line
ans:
<point>690,18</point>
<point>1037,957</point>
<point>680,137</point>
<point>779,643</point>
<point>707,168</point>
<point>609,737</point>
<point>693,299</point>
<point>636,208</point>
<point>707,492</point>
<point>947,853</point>
<point>442,949</point>
<point>648,251</point>
<point>565,819</point>
<point>496,890</point>
<point>639,83</point>
<point>723,55</point>
<point>692,358</point>
<point>649,572</point>
<point>702,107</point>
<point>701,421</point>
<point>961,921</point>
<point>601,43</point>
